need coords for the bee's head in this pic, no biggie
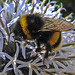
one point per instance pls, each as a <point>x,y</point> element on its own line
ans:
<point>18,32</point>
<point>28,24</point>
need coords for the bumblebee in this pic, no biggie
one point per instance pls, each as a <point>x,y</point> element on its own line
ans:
<point>45,30</point>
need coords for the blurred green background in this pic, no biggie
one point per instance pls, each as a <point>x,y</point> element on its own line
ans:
<point>69,5</point>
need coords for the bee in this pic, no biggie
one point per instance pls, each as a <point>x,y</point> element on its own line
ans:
<point>45,30</point>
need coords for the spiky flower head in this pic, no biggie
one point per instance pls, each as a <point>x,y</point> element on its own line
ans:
<point>19,57</point>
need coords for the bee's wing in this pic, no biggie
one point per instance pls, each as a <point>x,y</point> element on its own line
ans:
<point>52,24</point>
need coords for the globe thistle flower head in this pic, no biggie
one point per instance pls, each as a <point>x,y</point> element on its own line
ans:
<point>18,57</point>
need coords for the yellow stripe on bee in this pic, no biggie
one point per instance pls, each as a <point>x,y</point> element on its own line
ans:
<point>54,38</point>
<point>59,46</point>
<point>23,23</point>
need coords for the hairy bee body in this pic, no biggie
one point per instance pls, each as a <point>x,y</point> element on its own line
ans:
<point>28,26</point>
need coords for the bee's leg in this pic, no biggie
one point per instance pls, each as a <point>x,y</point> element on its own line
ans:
<point>48,48</point>
<point>38,50</point>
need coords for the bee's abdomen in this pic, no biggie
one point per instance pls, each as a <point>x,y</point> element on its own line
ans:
<point>56,40</point>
